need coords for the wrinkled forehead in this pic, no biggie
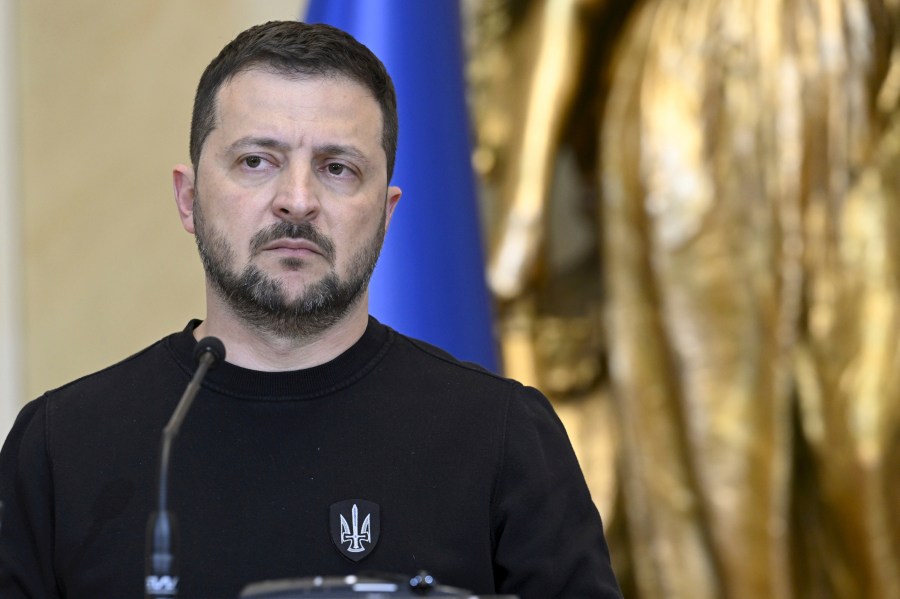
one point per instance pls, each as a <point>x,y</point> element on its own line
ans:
<point>261,109</point>
<point>292,75</point>
<point>249,90</point>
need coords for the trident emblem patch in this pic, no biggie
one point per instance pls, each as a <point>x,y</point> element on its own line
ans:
<point>355,525</point>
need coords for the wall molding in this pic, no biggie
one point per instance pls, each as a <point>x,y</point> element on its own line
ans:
<point>11,347</point>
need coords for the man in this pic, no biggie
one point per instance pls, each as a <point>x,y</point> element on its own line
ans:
<point>327,444</point>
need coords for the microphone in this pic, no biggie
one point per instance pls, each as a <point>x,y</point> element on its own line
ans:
<point>161,581</point>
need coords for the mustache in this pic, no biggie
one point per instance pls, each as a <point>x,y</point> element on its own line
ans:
<point>286,230</point>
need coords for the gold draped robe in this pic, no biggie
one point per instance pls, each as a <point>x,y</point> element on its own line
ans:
<point>747,167</point>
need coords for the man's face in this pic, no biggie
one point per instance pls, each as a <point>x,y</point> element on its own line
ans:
<point>290,202</point>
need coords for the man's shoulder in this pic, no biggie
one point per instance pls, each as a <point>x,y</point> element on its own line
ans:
<point>425,367</point>
<point>436,360</point>
<point>128,376</point>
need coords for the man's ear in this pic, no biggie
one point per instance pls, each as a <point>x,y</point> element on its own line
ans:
<point>393,196</point>
<point>183,179</point>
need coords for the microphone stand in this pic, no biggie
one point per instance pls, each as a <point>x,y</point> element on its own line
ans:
<point>161,580</point>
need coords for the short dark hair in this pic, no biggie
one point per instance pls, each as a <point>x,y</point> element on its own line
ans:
<point>294,48</point>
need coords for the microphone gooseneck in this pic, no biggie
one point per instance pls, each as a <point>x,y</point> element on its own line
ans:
<point>161,580</point>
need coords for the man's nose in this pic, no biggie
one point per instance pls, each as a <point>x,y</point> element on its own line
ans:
<point>296,195</point>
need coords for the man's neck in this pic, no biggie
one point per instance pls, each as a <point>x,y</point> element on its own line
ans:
<point>255,349</point>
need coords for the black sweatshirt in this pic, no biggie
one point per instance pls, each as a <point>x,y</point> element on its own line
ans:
<point>462,473</point>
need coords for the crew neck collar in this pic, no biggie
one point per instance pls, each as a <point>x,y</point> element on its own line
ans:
<point>307,383</point>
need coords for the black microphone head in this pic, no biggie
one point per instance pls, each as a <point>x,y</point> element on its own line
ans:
<point>213,346</point>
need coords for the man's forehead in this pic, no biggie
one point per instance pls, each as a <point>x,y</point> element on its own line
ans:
<point>357,134</point>
<point>249,79</point>
<point>255,98</point>
<point>248,92</point>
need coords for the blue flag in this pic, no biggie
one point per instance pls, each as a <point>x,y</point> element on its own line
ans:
<point>429,282</point>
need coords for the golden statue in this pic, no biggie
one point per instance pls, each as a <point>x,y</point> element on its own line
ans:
<point>529,64</point>
<point>741,304</point>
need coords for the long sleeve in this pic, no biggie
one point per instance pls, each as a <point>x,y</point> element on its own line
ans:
<point>548,534</point>
<point>26,531</point>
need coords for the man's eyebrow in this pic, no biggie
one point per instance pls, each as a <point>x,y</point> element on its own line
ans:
<point>258,142</point>
<point>342,150</point>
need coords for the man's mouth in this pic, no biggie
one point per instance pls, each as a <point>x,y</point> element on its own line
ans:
<point>292,247</point>
<point>292,240</point>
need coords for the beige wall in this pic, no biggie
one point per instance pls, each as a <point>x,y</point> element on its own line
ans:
<point>10,248</point>
<point>105,96</point>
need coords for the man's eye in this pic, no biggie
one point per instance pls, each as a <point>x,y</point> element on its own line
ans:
<point>253,161</point>
<point>336,168</point>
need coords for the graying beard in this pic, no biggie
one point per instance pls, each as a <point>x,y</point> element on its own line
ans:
<point>259,301</point>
